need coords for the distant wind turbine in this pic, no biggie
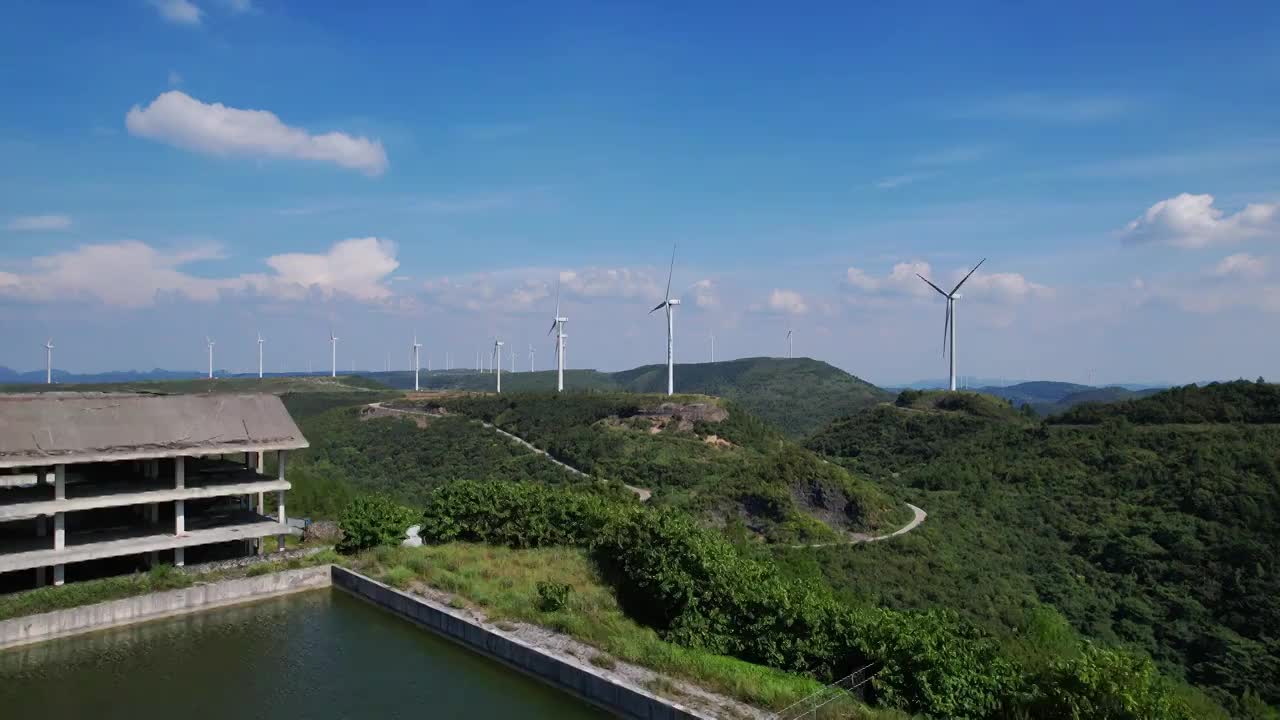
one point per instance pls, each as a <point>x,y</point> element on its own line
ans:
<point>513,359</point>
<point>670,303</point>
<point>949,325</point>
<point>415,346</point>
<point>333,354</point>
<point>497,362</point>
<point>557,326</point>
<point>48,361</point>
<point>530,357</point>
<point>209,340</point>
<point>713,347</point>
<point>259,356</point>
<point>790,345</point>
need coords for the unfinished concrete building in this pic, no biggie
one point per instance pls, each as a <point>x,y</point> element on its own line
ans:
<point>95,484</point>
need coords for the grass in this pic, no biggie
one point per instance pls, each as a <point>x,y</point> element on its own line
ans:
<point>158,579</point>
<point>504,583</point>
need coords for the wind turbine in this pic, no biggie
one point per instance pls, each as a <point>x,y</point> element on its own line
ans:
<point>48,361</point>
<point>209,340</point>
<point>949,325</point>
<point>497,362</point>
<point>513,359</point>
<point>670,304</point>
<point>259,356</point>
<point>713,347</point>
<point>333,354</point>
<point>416,345</point>
<point>790,345</point>
<point>530,357</point>
<point>557,326</point>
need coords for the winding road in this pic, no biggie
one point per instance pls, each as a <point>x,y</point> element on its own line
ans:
<point>918,515</point>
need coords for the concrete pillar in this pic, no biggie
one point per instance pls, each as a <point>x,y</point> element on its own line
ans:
<point>179,517</point>
<point>179,472</point>
<point>262,463</point>
<point>59,531</point>
<point>41,531</point>
<point>281,457</point>
<point>59,574</point>
<point>179,508</point>
<point>59,482</point>
<point>282,517</point>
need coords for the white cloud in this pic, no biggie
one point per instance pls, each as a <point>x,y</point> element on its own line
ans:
<point>175,79</point>
<point>1053,108</point>
<point>133,274</point>
<point>182,12</point>
<point>1191,221</point>
<point>239,6</point>
<point>180,120</point>
<point>705,295</point>
<point>897,181</point>
<point>611,282</point>
<point>1241,265</point>
<point>40,223</point>
<point>902,281</point>
<point>787,301</point>
<point>358,268</point>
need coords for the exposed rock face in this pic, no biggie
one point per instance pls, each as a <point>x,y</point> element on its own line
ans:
<point>692,412</point>
<point>323,531</point>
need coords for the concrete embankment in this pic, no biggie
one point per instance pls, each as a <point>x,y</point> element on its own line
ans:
<point>73,621</point>
<point>581,680</point>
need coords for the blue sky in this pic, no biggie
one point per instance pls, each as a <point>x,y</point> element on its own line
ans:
<point>182,168</point>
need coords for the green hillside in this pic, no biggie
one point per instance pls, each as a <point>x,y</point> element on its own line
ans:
<point>797,395</point>
<point>1160,537</point>
<point>695,453</point>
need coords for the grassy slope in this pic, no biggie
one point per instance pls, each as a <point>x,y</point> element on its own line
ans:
<point>759,482</point>
<point>797,395</point>
<point>1150,536</point>
<point>503,582</point>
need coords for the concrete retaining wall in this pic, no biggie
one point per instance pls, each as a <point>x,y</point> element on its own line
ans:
<point>628,702</point>
<point>73,621</point>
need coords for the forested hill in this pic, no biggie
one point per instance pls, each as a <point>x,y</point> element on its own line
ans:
<point>798,395</point>
<point>1154,533</point>
<point>1230,402</point>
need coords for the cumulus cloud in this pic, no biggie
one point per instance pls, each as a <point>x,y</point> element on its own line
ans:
<point>1192,221</point>
<point>39,223</point>
<point>611,282</point>
<point>358,268</point>
<point>1241,265</point>
<point>181,12</point>
<point>901,281</point>
<point>178,119</point>
<point>134,274</point>
<point>787,301</point>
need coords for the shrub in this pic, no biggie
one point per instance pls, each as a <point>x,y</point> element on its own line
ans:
<point>1106,684</point>
<point>553,596</point>
<point>399,577</point>
<point>372,521</point>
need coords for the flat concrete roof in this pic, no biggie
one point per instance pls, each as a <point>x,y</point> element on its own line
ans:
<point>79,427</point>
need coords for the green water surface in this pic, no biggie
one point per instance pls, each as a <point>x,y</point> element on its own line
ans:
<point>319,654</point>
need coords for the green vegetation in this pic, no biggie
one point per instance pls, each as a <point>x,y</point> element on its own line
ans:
<point>373,520</point>
<point>353,453</point>
<point>797,396</point>
<point>696,453</point>
<point>505,584</point>
<point>158,579</point>
<point>693,588</point>
<point>1157,537</point>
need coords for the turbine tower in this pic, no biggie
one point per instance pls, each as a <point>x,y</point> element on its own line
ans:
<point>557,326</point>
<point>530,357</point>
<point>949,325</point>
<point>416,345</point>
<point>259,356</point>
<point>713,347</point>
<point>497,362</point>
<point>670,303</point>
<point>333,354</point>
<point>48,361</point>
<point>790,345</point>
<point>209,340</point>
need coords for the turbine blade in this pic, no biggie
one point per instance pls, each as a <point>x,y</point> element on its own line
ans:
<point>946,327</point>
<point>553,326</point>
<point>670,272</point>
<point>557,295</point>
<point>966,277</point>
<point>659,307</point>
<point>935,287</point>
